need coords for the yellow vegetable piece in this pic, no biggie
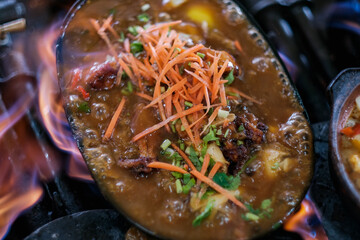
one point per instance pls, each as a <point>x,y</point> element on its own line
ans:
<point>200,14</point>
<point>354,161</point>
<point>356,141</point>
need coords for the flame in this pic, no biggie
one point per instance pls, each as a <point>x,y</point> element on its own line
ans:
<point>51,108</point>
<point>306,222</point>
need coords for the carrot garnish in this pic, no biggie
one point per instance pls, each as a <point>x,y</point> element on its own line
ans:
<point>238,46</point>
<point>114,120</point>
<point>163,123</point>
<point>351,131</point>
<point>184,156</point>
<point>214,169</point>
<point>166,166</point>
<point>236,91</point>
<point>218,188</point>
<point>84,93</point>
<point>144,96</point>
<point>204,166</point>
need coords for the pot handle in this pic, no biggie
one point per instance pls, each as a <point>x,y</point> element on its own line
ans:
<point>343,84</point>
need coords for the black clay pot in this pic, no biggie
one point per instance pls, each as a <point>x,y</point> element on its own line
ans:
<point>343,91</point>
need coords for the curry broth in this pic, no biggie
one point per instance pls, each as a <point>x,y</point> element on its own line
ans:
<point>151,200</point>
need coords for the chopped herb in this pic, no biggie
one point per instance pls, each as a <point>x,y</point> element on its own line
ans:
<point>250,217</point>
<point>189,64</point>
<point>226,133</point>
<point>207,194</point>
<point>239,142</point>
<point>162,89</point>
<point>125,92</point>
<point>194,158</point>
<point>203,149</point>
<point>206,213</point>
<point>223,113</point>
<point>186,188</point>
<point>124,75</point>
<point>232,94</point>
<point>189,104</point>
<point>136,47</point>
<point>211,111</point>
<point>173,128</point>
<point>145,7</point>
<point>201,55</point>
<point>177,175</point>
<point>175,121</point>
<point>186,178</point>
<point>228,182</point>
<point>130,87</point>
<point>181,69</point>
<point>265,204</point>
<point>210,137</point>
<point>219,132</point>
<point>241,128</point>
<point>122,37</point>
<point>166,143</point>
<point>133,30</point>
<point>275,166</point>
<point>178,49</point>
<point>182,128</point>
<point>143,17</point>
<point>84,107</point>
<point>179,188</point>
<point>182,146</point>
<point>247,164</point>
<point>230,77</point>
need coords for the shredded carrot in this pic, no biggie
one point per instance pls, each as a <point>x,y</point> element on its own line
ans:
<point>218,188</point>
<point>127,45</point>
<point>234,90</point>
<point>168,92</point>
<point>144,96</point>
<point>184,156</point>
<point>204,166</point>
<point>163,123</point>
<point>166,166</point>
<point>84,93</point>
<point>214,169</point>
<point>238,46</point>
<point>211,119</point>
<point>114,119</point>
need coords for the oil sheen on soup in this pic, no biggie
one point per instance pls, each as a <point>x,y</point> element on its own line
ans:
<point>185,117</point>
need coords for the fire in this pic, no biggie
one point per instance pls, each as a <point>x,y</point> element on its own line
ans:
<point>51,108</point>
<point>306,222</point>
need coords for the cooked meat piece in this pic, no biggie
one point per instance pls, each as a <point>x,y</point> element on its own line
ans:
<point>138,165</point>
<point>102,76</point>
<point>210,53</point>
<point>238,146</point>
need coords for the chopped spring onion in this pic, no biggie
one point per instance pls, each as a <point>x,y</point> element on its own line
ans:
<point>179,188</point>
<point>145,7</point>
<point>189,104</point>
<point>182,146</point>
<point>133,30</point>
<point>223,113</point>
<point>136,47</point>
<point>206,213</point>
<point>230,77</point>
<point>201,55</point>
<point>226,133</point>
<point>143,17</point>
<point>181,69</point>
<point>166,143</point>
<point>177,175</point>
<point>186,188</point>
<point>84,107</point>
<point>251,217</point>
<point>130,87</point>
<point>162,89</point>
<point>122,37</point>
<point>239,142</point>
<point>182,128</point>
<point>241,128</point>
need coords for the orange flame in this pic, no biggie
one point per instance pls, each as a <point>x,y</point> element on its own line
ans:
<point>300,222</point>
<point>51,107</point>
